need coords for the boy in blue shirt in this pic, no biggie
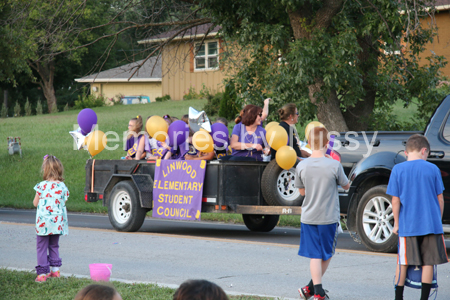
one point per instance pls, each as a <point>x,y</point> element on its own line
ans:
<point>417,203</point>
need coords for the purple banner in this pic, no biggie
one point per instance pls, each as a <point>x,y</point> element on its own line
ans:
<point>178,189</point>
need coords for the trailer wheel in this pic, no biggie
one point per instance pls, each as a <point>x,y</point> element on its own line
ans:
<point>125,212</point>
<point>277,186</point>
<point>375,220</point>
<point>261,223</point>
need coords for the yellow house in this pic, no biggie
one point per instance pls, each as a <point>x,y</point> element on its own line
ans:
<point>441,43</point>
<point>190,60</point>
<point>120,81</point>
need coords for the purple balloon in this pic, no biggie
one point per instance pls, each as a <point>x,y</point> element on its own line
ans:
<point>219,133</point>
<point>178,133</point>
<point>87,119</point>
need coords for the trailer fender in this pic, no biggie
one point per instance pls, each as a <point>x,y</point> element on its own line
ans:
<point>142,182</point>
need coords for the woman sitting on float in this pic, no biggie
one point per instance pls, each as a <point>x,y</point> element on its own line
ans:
<point>289,117</point>
<point>248,137</point>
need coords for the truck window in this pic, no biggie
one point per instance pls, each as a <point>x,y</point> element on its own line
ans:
<point>446,131</point>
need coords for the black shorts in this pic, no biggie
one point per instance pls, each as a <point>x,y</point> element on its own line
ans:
<point>426,250</point>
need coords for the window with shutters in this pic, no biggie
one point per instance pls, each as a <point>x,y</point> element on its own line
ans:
<point>206,56</point>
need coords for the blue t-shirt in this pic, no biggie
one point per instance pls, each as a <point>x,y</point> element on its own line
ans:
<point>417,183</point>
<point>258,137</point>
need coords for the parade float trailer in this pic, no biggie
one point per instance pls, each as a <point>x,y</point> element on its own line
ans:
<point>260,191</point>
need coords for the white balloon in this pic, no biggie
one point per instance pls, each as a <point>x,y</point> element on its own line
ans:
<point>78,138</point>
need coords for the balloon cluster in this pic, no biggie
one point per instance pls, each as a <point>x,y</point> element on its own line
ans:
<point>286,156</point>
<point>204,138</point>
<point>92,141</point>
<point>277,138</point>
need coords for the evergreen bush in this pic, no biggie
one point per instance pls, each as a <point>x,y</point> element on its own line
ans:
<point>39,107</point>
<point>211,107</point>
<point>17,109</point>
<point>228,107</point>
<point>27,108</point>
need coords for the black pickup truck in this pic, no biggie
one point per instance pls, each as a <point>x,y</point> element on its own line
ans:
<point>368,158</point>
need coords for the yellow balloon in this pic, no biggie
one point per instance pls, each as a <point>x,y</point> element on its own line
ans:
<point>157,128</point>
<point>268,126</point>
<point>277,137</point>
<point>96,142</point>
<point>286,157</point>
<point>203,141</point>
<point>310,126</point>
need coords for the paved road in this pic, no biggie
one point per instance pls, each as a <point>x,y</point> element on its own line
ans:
<point>240,267</point>
<point>280,235</point>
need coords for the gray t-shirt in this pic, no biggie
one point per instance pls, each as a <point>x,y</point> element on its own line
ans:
<point>320,177</point>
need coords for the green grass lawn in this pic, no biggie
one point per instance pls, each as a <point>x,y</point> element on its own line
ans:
<point>49,134</point>
<point>19,285</point>
<point>404,114</point>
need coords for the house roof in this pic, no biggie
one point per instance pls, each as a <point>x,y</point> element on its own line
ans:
<point>442,4</point>
<point>191,33</point>
<point>149,72</point>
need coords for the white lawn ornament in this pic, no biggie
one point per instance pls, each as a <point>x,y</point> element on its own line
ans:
<point>14,145</point>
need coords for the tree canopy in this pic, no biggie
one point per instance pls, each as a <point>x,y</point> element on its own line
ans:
<point>345,61</point>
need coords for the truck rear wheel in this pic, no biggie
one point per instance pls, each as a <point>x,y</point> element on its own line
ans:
<point>375,220</point>
<point>124,211</point>
<point>277,186</point>
<point>261,223</point>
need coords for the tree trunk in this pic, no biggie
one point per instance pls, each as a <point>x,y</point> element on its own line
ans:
<point>46,71</point>
<point>49,94</point>
<point>357,117</point>
<point>328,110</point>
<point>5,98</point>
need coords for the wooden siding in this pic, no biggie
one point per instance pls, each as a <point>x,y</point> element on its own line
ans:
<point>177,77</point>
<point>441,44</point>
<point>112,89</point>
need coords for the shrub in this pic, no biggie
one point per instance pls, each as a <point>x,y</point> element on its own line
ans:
<point>39,107</point>
<point>89,101</point>
<point>211,107</point>
<point>192,94</point>
<point>66,108</point>
<point>164,98</point>
<point>4,112</point>
<point>17,109</point>
<point>117,100</point>
<point>228,108</point>
<point>27,108</point>
<point>204,92</point>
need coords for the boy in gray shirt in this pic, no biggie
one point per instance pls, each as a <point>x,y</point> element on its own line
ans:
<point>318,178</point>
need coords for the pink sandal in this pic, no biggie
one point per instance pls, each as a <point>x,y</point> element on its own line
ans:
<point>55,274</point>
<point>41,278</point>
